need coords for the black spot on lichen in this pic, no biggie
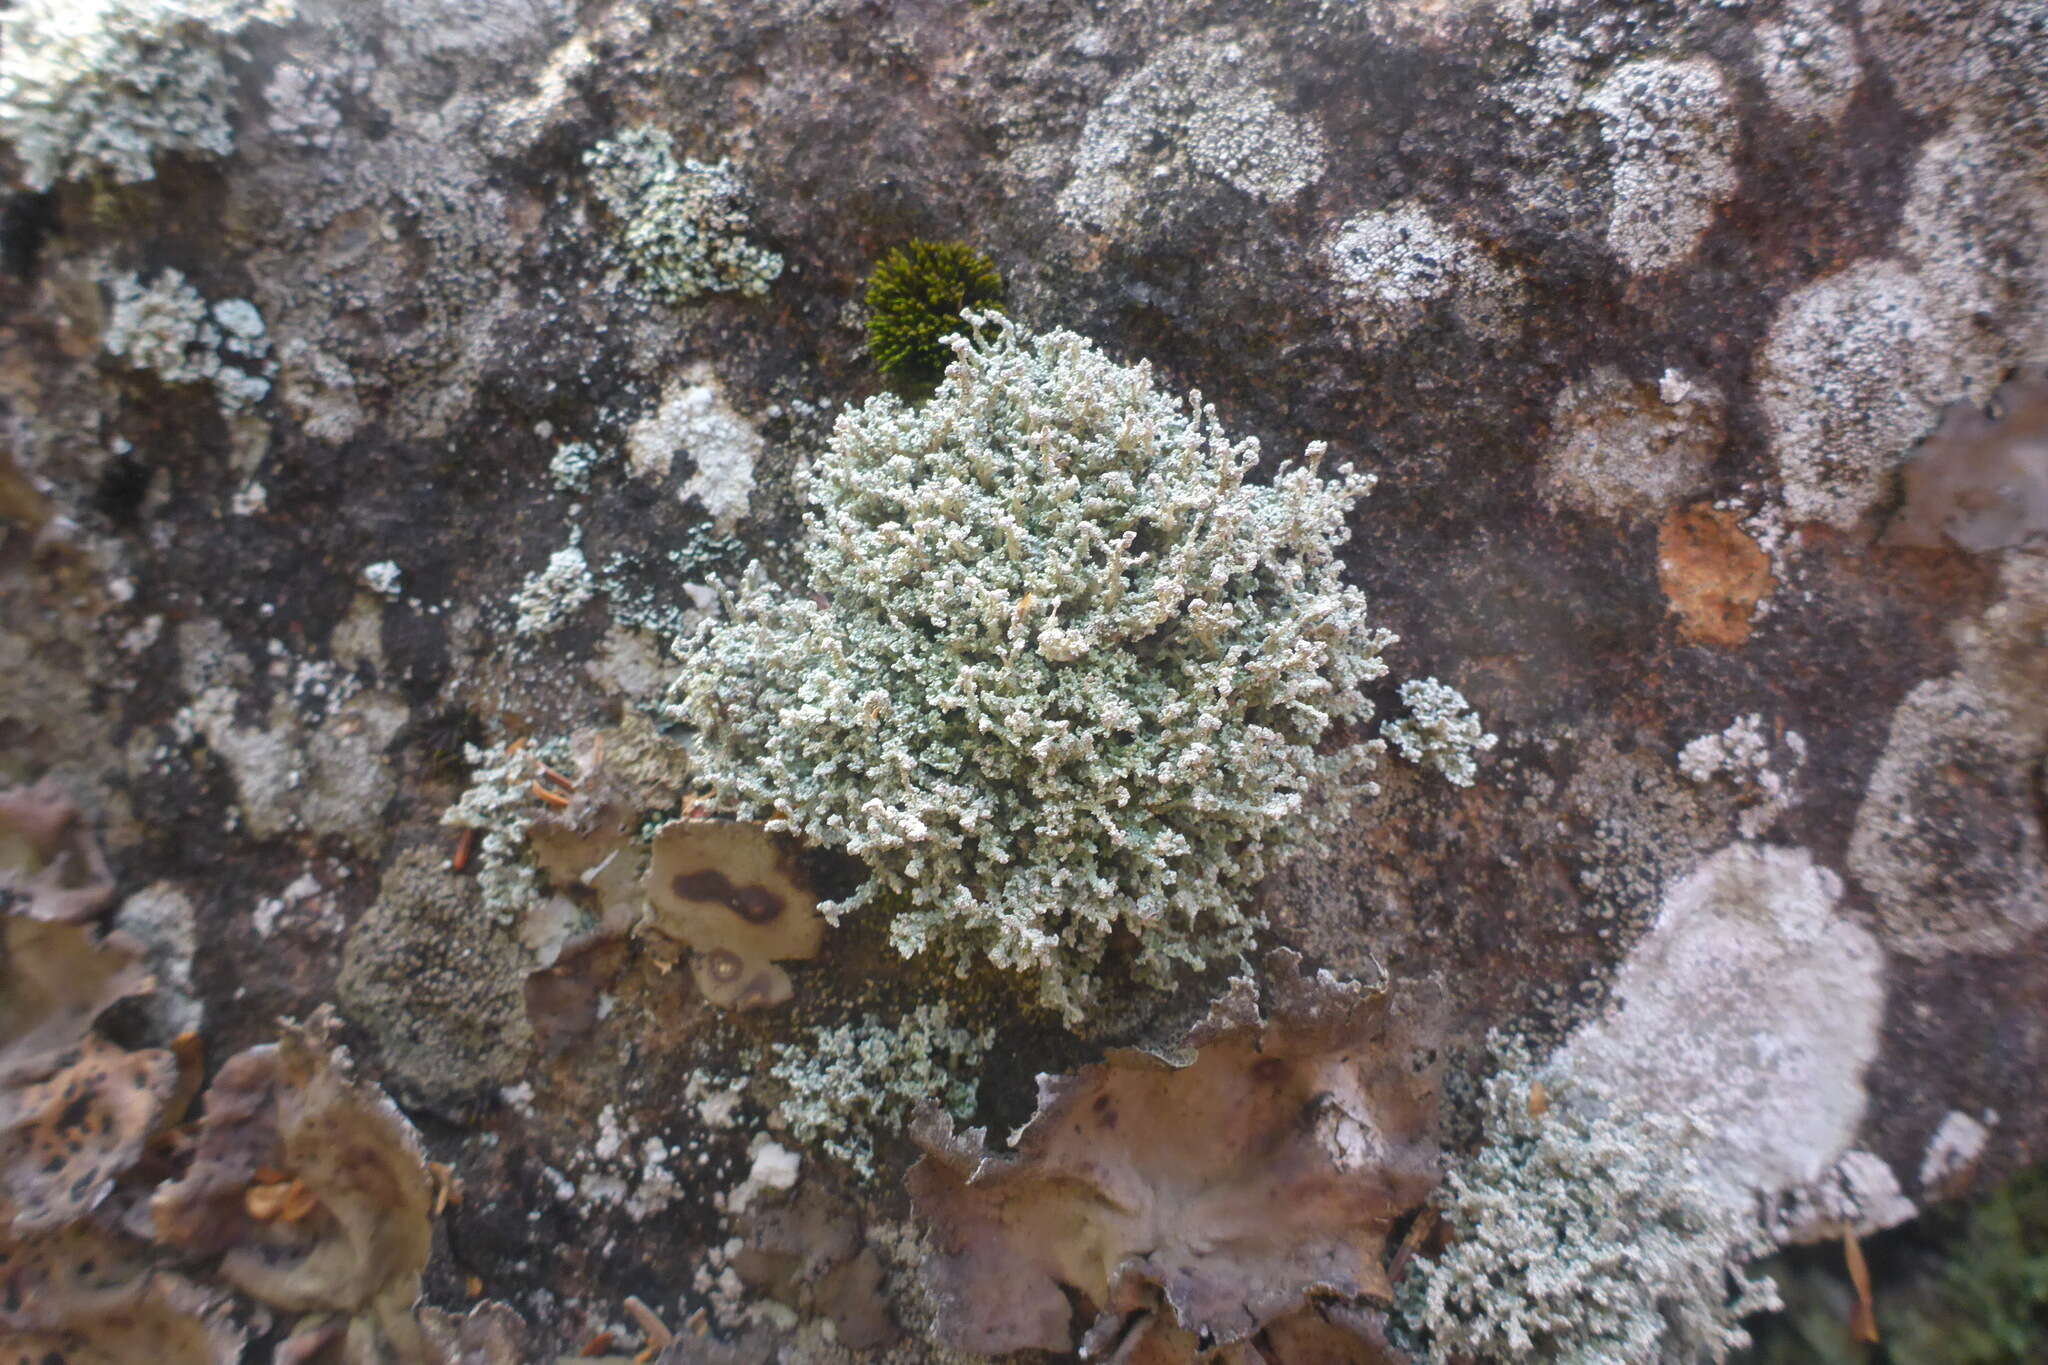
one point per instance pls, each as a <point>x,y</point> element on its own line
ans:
<point>754,904</point>
<point>123,484</point>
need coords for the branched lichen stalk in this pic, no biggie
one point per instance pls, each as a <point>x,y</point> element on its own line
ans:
<point>1058,671</point>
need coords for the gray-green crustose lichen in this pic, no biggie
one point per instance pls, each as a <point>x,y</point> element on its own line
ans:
<point>682,225</point>
<point>1582,1236</point>
<point>915,300</point>
<point>106,86</point>
<point>166,327</point>
<point>851,1084</point>
<point>1057,671</point>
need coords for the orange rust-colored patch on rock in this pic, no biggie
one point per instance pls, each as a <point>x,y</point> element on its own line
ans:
<point>1714,574</point>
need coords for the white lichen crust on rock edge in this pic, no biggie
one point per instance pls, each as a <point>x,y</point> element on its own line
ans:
<point>1583,1235</point>
<point>1058,670</point>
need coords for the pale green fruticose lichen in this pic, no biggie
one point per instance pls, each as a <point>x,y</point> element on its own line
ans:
<point>1583,1237</point>
<point>550,596</point>
<point>499,805</point>
<point>852,1083</point>
<point>107,85</point>
<point>1441,731</point>
<point>682,224</point>
<point>166,327</point>
<point>1057,669</point>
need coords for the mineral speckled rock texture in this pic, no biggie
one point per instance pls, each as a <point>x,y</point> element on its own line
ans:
<point>1637,311</point>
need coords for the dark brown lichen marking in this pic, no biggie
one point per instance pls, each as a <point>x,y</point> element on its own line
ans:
<point>753,903</point>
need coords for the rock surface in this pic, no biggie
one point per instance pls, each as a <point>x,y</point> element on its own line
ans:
<point>1637,311</point>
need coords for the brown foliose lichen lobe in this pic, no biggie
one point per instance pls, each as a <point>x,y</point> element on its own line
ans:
<point>733,893</point>
<point>1213,1192</point>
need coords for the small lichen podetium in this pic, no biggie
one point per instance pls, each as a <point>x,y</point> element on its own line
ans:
<point>1583,1237</point>
<point>499,805</point>
<point>681,224</point>
<point>1057,670</point>
<point>1441,731</point>
<point>850,1084</point>
<point>574,463</point>
<point>551,595</point>
<point>107,85</point>
<point>915,300</point>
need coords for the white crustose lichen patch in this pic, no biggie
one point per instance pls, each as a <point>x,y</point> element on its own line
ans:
<point>166,327</point>
<point>1754,1007</point>
<point>1627,448</point>
<point>1672,138</point>
<point>1760,768</point>
<point>1199,110</point>
<point>694,420</point>
<point>92,86</point>
<point>1394,263</point>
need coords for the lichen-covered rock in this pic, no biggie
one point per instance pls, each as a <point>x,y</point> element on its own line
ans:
<point>1638,310</point>
<point>109,85</point>
<point>1215,1195</point>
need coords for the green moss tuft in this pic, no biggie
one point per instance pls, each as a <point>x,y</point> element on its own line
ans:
<point>915,299</point>
<point>1990,1306</point>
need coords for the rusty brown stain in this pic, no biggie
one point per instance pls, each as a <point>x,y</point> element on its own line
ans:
<point>1713,573</point>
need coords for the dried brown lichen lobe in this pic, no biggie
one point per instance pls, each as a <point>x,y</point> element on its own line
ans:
<point>1211,1197</point>
<point>51,867</point>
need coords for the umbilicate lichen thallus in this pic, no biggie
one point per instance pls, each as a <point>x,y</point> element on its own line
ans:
<point>1057,670</point>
